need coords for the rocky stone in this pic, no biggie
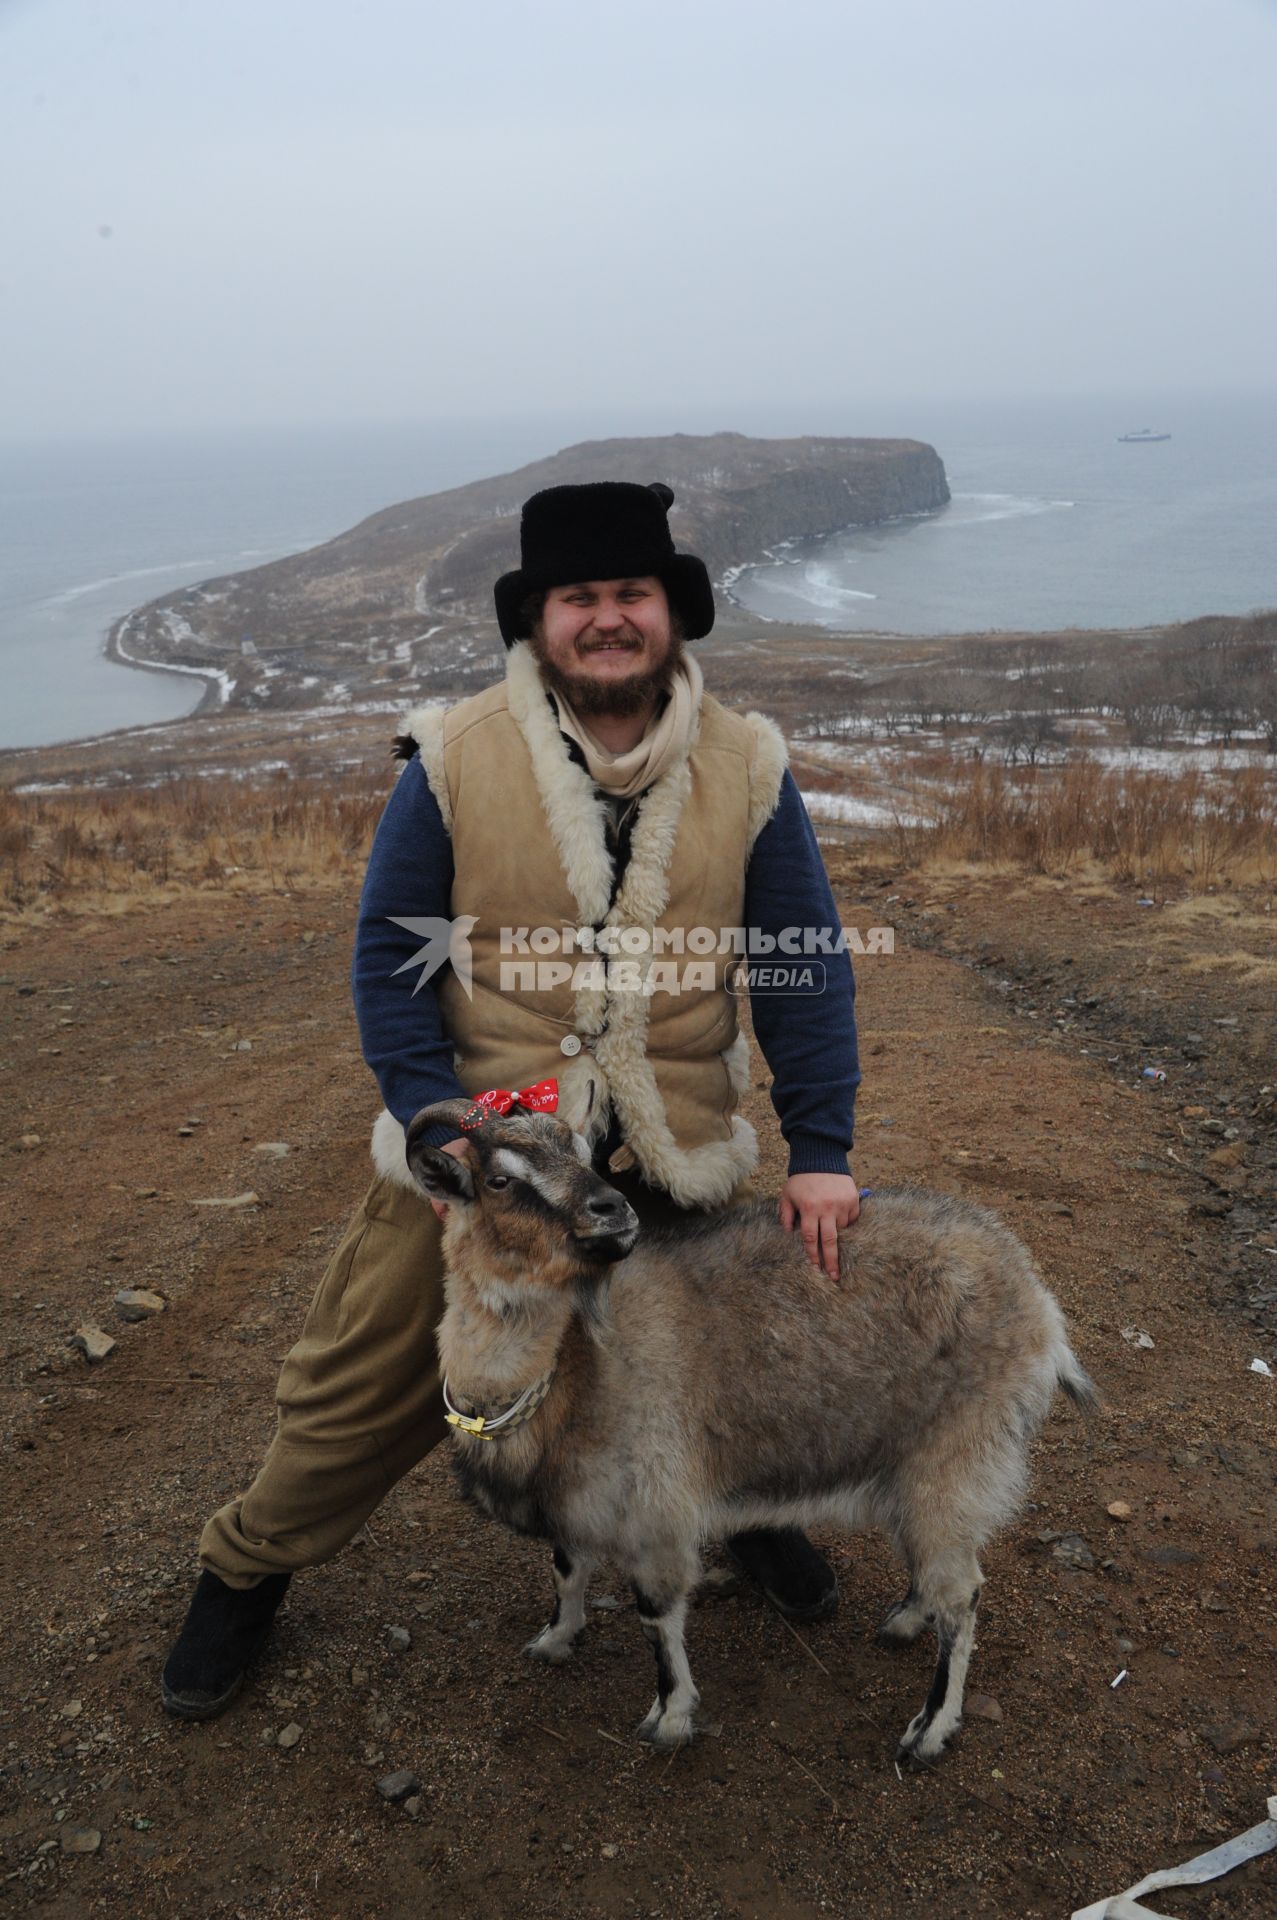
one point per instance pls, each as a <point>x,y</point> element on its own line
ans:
<point>1118,1510</point>
<point>273,1149</point>
<point>26,1141</point>
<point>249,1199</point>
<point>288,1736</point>
<point>1228,1735</point>
<point>1136,1337</point>
<point>1072,1549</point>
<point>398,1639</point>
<point>92,1342</point>
<point>1169,1556</point>
<point>397,1787</point>
<point>80,1839</point>
<point>137,1303</point>
<point>982,1706</point>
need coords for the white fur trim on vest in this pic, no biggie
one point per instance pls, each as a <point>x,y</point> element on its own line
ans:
<point>425,725</point>
<point>616,1075</point>
<point>390,1152</point>
<point>576,814</point>
<point>771,757</point>
<point>703,1176</point>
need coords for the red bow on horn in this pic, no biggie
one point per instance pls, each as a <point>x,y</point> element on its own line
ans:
<point>541,1098</point>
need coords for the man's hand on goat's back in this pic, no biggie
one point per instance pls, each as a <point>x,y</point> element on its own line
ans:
<point>818,1204</point>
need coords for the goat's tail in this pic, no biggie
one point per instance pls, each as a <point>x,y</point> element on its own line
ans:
<point>1074,1380</point>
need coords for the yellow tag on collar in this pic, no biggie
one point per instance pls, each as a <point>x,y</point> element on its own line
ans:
<point>468,1425</point>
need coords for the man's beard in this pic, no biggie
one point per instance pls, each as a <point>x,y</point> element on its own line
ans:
<point>619,699</point>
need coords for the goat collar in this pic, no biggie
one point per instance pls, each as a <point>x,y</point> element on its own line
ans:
<point>495,1426</point>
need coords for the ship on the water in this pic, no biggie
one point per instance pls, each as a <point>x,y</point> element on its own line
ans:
<point>1141,436</point>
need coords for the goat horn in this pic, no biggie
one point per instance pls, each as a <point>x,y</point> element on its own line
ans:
<point>444,1113</point>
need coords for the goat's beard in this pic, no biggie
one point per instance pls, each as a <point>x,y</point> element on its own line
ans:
<point>619,699</point>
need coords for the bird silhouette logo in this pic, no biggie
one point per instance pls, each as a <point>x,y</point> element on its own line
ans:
<point>447,943</point>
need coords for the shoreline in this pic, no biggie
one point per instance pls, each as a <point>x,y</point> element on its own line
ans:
<point>790,670</point>
<point>212,700</point>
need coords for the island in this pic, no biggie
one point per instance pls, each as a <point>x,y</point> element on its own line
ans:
<point>408,592</point>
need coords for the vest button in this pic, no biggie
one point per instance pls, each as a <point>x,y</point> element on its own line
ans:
<point>570,1044</point>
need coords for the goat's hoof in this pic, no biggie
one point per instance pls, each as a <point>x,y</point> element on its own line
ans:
<point>667,1731</point>
<point>554,1653</point>
<point>924,1743</point>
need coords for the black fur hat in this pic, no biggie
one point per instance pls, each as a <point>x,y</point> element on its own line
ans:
<point>609,530</point>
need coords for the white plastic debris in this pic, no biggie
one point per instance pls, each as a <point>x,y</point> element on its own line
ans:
<point>1194,1873</point>
<point>1114,1684</point>
<point>1137,1337</point>
<point>1260,1366</point>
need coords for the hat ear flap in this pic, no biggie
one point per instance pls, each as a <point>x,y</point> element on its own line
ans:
<point>510,593</point>
<point>663,493</point>
<point>687,583</point>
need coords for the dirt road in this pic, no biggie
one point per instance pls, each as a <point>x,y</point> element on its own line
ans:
<point>129,1078</point>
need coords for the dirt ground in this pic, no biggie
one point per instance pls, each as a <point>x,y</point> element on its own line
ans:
<point>987,1072</point>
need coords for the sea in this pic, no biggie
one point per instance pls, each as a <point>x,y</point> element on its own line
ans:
<point>1053,523</point>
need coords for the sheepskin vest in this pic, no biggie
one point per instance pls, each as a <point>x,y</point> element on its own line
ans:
<point>530,851</point>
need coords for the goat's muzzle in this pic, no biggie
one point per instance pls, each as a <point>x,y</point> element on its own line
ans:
<point>606,1227</point>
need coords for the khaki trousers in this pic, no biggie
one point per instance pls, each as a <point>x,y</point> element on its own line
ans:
<point>359,1398</point>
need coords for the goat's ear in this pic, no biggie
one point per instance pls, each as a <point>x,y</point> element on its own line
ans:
<point>443,1176</point>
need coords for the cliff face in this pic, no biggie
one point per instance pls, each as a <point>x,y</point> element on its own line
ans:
<point>412,585</point>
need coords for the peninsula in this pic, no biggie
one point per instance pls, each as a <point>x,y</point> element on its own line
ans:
<point>408,592</point>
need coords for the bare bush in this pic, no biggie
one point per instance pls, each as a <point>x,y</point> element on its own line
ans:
<point>122,844</point>
<point>1194,826</point>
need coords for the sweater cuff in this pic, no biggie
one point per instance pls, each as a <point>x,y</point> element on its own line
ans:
<point>435,1136</point>
<point>814,1153</point>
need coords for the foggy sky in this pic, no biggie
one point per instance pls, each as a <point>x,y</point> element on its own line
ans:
<point>277,211</point>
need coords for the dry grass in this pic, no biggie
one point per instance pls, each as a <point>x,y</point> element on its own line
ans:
<point>1201,828</point>
<point>111,849</point>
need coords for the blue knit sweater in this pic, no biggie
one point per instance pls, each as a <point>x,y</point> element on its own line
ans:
<point>808,1037</point>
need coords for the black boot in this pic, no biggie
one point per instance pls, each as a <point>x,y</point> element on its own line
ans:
<point>223,1633</point>
<point>799,1582</point>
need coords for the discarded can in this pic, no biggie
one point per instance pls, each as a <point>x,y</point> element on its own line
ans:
<point>1146,902</point>
<point>1154,1073</point>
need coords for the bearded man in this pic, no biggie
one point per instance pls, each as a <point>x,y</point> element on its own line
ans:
<point>597,788</point>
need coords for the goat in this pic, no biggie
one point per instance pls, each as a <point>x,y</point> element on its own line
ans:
<point>635,1405</point>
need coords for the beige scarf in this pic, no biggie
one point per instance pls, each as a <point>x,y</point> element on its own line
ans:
<point>667,739</point>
